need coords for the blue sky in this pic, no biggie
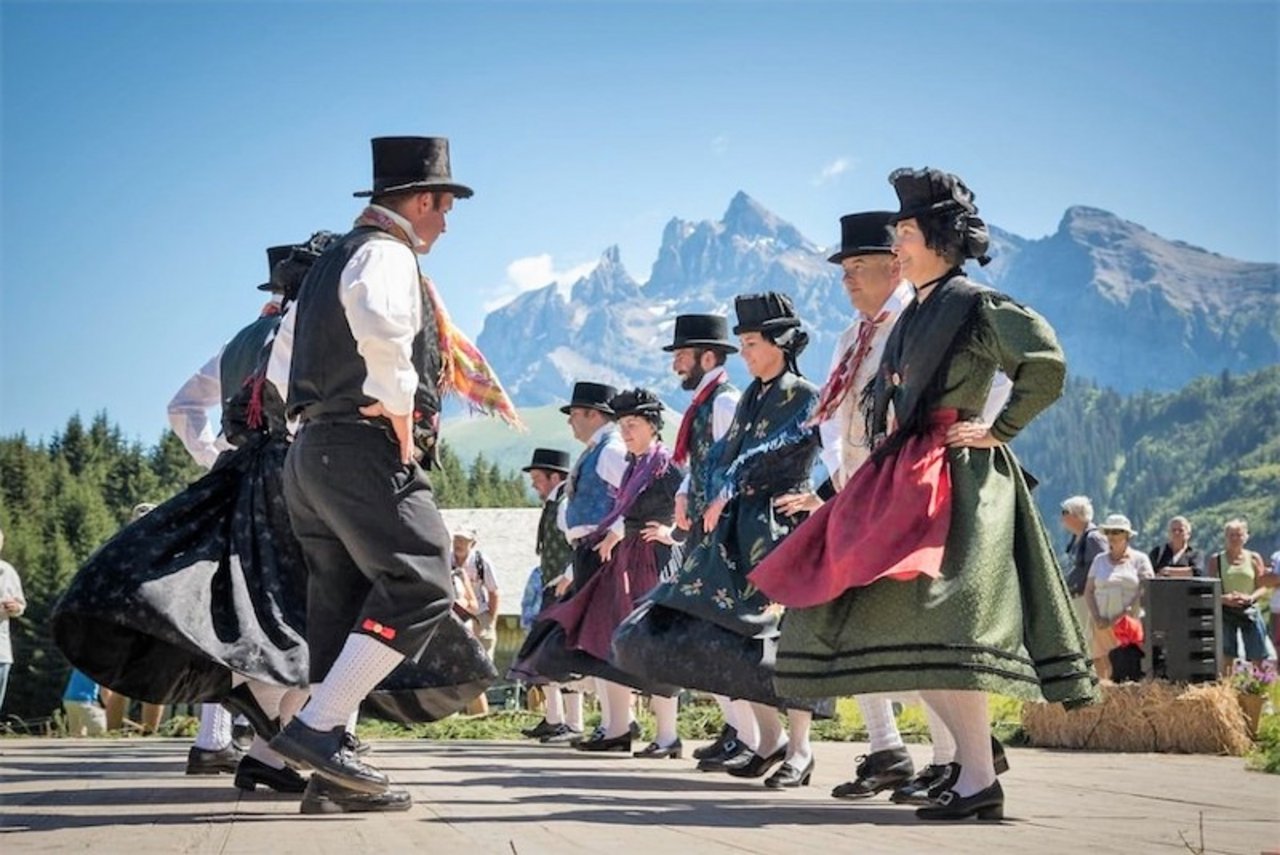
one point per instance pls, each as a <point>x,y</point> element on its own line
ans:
<point>150,152</point>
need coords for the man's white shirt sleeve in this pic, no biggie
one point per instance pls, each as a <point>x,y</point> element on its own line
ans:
<point>189,413</point>
<point>381,295</point>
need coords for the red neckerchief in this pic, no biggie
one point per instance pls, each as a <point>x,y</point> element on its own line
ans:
<point>685,435</point>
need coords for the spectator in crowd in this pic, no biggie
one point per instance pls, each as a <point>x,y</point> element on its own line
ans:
<point>1244,585</point>
<point>80,701</point>
<point>12,605</point>
<point>1086,544</point>
<point>117,704</point>
<point>483,582</point>
<point>531,601</point>
<point>1177,558</point>
<point>1273,579</point>
<point>1113,588</point>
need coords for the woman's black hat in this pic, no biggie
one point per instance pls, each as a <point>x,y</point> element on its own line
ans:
<point>929,191</point>
<point>708,331</point>
<point>592,396</point>
<point>637,402</point>
<point>764,313</point>
<point>864,234</point>
<point>413,163</point>
<point>550,459</point>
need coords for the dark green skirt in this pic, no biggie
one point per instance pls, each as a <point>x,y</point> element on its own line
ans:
<point>998,619</point>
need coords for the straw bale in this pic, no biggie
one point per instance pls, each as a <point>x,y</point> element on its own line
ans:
<point>1153,716</point>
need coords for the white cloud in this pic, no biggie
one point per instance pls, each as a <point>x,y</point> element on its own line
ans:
<point>719,145</point>
<point>535,271</point>
<point>833,170</point>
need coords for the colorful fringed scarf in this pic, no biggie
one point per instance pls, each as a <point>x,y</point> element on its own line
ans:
<point>463,368</point>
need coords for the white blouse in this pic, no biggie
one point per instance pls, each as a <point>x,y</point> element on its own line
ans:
<point>1116,584</point>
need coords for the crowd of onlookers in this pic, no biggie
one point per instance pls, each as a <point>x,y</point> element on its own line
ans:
<point>1105,570</point>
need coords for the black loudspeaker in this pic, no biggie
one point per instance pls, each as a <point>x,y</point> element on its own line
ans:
<point>1183,628</point>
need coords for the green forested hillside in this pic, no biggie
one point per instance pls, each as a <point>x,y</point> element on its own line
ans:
<point>61,499</point>
<point>1210,452</point>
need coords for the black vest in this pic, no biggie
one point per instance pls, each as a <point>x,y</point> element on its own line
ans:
<point>326,380</point>
<point>241,360</point>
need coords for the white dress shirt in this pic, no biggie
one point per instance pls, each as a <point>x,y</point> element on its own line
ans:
<point>189,413</point>
<point>844,435</point>
<point>722,410</point>
<point>381,293</point>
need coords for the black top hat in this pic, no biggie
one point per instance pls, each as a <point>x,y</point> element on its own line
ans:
<point>413,163</point>
<point>592,396</point>
<point>709,331</point>
<point>929,191</point>
<point>275,255</point>
<point>636,402</point>
<point>287,273</point>
<point>767,312</point>
<point>863,234</point>
<point>550,459</point>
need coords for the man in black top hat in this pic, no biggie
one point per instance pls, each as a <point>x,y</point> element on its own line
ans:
<point>547,472</point>
<point>364,382</point>
<point>699,347</point>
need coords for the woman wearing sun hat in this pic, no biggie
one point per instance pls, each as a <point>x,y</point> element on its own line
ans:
<point>1114,588</point>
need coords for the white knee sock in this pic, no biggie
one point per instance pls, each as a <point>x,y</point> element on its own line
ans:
<point>602,697</point>
<point>555,705</point>
<point>799,749</point>
<point>770,724</point>
<point>362,665</point>
<point>944,746</point>
<point>291,703</point>
<point>727,711</point>
<point>882,728</point>
<point>262,752</point>
<point>619,710</point>
<point>665,710</point>
<point>573,710</point>
<point>215,728</point>
<point>965,714</point>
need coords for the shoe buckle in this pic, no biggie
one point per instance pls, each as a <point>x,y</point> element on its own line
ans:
<point>946,797</point>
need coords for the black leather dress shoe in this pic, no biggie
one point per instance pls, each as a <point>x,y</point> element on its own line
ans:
<point>732,753</point>
<point>253,773</point>
<point>985,804</point>
<point>727,734</point>
<point>323,796</point>
<point>880,770</point>
<point>539,730</point>
<point>789,776</point>
<point>757,766</point>
<point>654,751</point>
<point>241,701</point>
<point>562,735</point>
<point>203,762</point>
<point>620,744</point>
<point>327,753</point>
<point>916,791</point>
<point>997,756</point>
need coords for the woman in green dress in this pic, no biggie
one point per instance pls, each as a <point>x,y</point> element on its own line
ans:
<point>932,569</point>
